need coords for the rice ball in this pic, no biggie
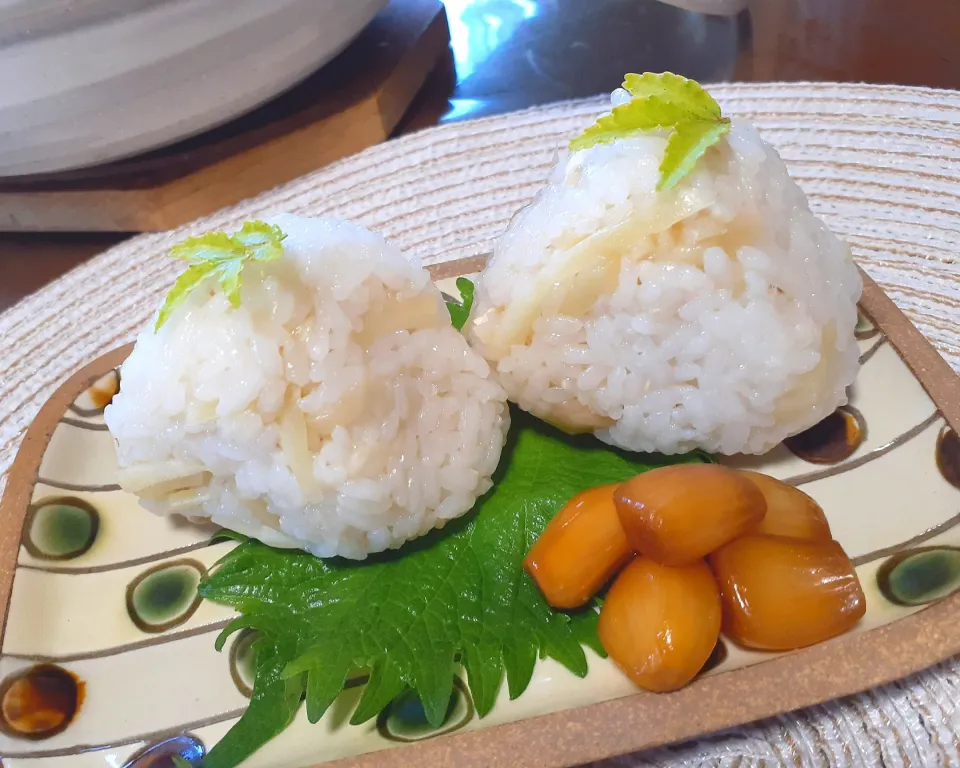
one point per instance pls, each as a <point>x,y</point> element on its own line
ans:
<point>717,315</point>
<point>335,410</point>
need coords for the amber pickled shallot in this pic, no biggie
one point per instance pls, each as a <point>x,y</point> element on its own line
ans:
<point>582,547</point>
<point>790,512</point>
<point>784,593</point>
<point>679,514</point>
<point>660,624</point>
<point>699,548</point>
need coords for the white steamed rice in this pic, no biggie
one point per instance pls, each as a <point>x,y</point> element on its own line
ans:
<point>719,315</point>
<point>335,410</point>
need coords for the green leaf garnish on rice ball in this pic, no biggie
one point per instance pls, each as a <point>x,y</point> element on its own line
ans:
<point>663,102</point>
<point>221,257</point>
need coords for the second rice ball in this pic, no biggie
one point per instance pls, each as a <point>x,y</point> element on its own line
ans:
<point>717,315</point>
<point>336,409</point>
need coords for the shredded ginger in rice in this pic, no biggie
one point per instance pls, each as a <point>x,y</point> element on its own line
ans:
<point>718,315</point>
<point>335,410</point>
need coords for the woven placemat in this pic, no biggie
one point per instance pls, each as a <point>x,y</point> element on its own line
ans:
<point>881,166</point>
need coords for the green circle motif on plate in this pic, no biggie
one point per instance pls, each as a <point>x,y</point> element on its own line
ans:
<point>60,529</point>
<point>242,669</point>
<point>865,327</point>
<point>920,576</point>
<point>404,720</point>
<point>166,596</point>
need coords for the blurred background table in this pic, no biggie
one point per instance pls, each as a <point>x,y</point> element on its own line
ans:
<point>509,54</point>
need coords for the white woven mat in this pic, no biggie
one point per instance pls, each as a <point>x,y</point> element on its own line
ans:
<point>881,166</point>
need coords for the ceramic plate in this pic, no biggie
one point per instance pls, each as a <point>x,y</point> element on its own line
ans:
<point>105,628</point>
<point>102,619</point>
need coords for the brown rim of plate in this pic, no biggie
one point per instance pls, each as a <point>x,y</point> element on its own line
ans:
<point>840,667</point>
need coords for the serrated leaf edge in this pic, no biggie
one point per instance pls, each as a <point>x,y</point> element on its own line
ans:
<point>542,643</point>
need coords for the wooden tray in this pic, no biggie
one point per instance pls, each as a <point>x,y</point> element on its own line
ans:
<point>353,102</point>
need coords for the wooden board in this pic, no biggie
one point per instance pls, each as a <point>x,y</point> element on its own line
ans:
<point>352,103</point>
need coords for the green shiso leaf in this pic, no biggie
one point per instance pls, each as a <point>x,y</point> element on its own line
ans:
<point>222,257</point>
<point>273,706</point>
<point>663,102</point>
<point>459,312</point>
<point>406,617</point>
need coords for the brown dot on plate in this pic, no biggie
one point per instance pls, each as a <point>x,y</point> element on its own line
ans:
<point>95,398</point>
<point>948,456</point>
<point>832,440</point>
<point>39,702</point>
